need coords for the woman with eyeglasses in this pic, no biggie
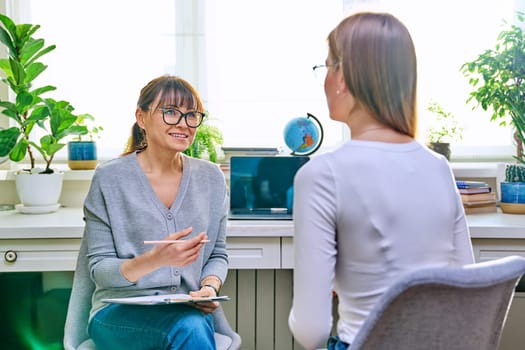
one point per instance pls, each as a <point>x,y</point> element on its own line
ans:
<point>380,205</point>
<point>156,193</point>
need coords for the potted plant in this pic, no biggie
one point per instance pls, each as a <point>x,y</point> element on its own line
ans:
<point>513,189</point>
<point>444,129</point>
<point>82,149</point>
<point>498,76</point>
<point>208,141</point>
<point>38,188</point>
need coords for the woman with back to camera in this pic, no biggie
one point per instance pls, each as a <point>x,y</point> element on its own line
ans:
<point>155,192</point>
<point>380,205</point>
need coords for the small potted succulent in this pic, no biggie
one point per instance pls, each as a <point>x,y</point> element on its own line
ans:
<point>444,129</point>
<point>82,149</point>
<point>513,189</point>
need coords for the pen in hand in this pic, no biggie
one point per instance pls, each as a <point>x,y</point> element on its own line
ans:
<point>169,241</point>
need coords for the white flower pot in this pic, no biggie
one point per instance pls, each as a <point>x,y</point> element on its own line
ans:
<point>39,190</point>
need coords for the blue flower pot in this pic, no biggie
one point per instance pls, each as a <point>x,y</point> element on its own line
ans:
<point>512,192</point>
<point>82,155</point>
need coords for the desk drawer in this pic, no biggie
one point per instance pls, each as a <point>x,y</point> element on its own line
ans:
<point>20,255</point>
<point>490,249</point>
<point>254,252</point>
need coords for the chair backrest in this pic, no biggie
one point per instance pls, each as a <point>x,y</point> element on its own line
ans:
<point>448,308</point>
<point>75,331</point>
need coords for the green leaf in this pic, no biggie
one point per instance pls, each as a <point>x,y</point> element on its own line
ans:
<point>23,34</point>
<point>41,90</point>
<point>31,47</point>
<point>8,24</point>
<point>19,151</point>
<point>18,72</point>
<point>5,66</point>
<point>5,38</point>
<point>8,139</point>
<point>49,145</point>
<point>33,70</point>
<point>42,53</point>
<point>24,101</point>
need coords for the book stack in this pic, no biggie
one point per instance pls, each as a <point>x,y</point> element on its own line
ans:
<point>477,197</point>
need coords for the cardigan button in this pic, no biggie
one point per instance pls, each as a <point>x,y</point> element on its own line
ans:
<point>169,216</point>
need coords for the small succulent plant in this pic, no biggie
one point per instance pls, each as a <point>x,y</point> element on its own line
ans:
<point>515,173</point>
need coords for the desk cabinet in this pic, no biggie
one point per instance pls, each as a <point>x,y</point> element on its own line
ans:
<point>24,255</point>
<point>261,267</point>
<point>485,249</point>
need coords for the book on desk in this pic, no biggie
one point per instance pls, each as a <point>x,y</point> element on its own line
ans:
<point>477,197</point>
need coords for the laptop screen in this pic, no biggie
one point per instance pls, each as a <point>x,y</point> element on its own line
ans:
<point>262,186</point>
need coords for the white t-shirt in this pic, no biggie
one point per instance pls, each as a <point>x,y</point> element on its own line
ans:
<point>364,215</point>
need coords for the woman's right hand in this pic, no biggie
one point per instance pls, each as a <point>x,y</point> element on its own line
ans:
<point>181,253</point>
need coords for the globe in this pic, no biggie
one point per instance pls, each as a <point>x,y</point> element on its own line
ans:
<point>303,135</point>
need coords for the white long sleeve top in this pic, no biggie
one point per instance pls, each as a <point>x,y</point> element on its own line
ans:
<point>365,214</point>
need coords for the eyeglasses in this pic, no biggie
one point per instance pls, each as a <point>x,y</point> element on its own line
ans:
<point>172,116</point>
<point>320,71</point>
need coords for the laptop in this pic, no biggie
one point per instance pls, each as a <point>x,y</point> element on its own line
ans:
<point>261,187</point>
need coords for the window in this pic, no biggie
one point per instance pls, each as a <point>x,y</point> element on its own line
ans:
<point>448,33</point>
<point>259,67</point>
<point>106,52</point>
<point>251,60</point>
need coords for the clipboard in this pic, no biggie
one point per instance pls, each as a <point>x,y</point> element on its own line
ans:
<point>164,299</point>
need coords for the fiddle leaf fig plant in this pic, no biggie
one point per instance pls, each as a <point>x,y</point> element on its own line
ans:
<point>498,76</point>
<point>54,118</point>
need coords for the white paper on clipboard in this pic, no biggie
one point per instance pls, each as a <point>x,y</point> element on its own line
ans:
<point>164,299</point>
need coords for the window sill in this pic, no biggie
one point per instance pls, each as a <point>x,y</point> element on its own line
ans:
<point>69,175</point>
<point>475,170</point>
<point>460,169</point>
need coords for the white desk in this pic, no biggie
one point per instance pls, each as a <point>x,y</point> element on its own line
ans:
<point>50,242</point>
<point>261,259</point>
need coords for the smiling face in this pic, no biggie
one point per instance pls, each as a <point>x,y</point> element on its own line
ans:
<point>160,135</point>
<point>163,95</point>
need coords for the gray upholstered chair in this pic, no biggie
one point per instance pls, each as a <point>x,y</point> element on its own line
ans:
<point>444,308</point>
<point>75,332</point>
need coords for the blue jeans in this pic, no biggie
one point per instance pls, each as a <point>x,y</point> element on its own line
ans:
<point>167,327</point>
<point>334,343</point>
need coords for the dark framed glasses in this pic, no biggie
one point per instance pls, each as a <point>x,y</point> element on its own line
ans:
<point>173,116</point>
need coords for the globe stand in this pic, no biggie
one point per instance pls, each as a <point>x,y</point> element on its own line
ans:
<point>293,145</point>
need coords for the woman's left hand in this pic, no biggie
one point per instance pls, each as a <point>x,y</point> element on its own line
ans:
<point>205,292</point>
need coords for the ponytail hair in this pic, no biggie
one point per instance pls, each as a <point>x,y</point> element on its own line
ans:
<point>136,141</point>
